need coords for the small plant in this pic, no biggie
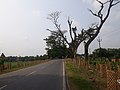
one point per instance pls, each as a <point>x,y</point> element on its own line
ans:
<point>114,65</point>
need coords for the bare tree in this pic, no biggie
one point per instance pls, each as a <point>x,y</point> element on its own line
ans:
<point>75,36</point>
<point>94,30</point>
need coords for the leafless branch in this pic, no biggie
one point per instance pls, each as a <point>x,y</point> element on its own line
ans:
<point>54,18</point>
<point>70,28</point>
<point>116,2</point>
<point>93,13</point>
<point>74,31</point>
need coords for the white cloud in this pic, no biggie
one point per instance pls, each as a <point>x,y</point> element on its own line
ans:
<point>36,12</point>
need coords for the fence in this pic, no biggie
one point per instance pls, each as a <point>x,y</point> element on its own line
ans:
<point>105,72</point>
<point>20,64</point>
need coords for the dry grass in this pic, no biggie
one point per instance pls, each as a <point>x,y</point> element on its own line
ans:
<point>14,65</point>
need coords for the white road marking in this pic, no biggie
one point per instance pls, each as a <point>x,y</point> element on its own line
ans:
<point>64,84</point>
<point>3,87</point>
<point>30,73</point>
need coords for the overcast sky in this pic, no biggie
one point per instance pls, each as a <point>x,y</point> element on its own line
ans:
<point>23,24</point>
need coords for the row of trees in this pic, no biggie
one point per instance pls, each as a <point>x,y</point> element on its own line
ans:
<point>76,36</point>
<point>20,58</point>
<point>107,53</point>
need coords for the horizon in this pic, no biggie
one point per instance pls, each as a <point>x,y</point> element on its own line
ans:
<point>23,24</point>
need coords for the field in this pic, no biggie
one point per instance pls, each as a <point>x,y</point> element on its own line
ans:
<point>12,66</point>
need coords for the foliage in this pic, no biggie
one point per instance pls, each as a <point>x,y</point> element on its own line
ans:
<point>58,52</point>
<point>25,58</point>
<point>56,46</point>
<point>2,61</point>
<point>107,53</point>
<point>78,78</point>
<point>101,52</point>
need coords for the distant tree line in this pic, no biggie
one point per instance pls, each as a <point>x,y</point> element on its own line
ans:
<point>107,53</point>
<point>20,58</point>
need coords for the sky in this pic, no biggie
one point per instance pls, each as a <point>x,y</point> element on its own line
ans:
<point>23,24</point>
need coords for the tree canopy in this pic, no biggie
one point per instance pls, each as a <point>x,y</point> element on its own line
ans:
<point>56,46</point>
<point>107,53</point>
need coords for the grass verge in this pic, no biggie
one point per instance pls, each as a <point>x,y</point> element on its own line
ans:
<point>81,79</point>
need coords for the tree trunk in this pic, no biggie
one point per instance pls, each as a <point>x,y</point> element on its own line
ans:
<point>86,52</point>
<point>75,55</point>
<point>86,55</point>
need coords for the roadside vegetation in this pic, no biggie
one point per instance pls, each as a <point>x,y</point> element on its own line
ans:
<point>13,66</point>
<point>82,79</point>
<point>99,74</point>
<point>9,64</point>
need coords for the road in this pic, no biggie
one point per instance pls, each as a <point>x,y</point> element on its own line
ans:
<point>45,76</point>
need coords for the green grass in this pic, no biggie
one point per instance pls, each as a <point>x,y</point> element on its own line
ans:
<point>79,78</point>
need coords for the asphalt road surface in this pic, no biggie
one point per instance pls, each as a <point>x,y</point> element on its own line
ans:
<point>46,76</point>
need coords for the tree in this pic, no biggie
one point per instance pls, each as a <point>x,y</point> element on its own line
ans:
<point>113,53</point>
<point>2,60</point>
<point>100,53</point>
<point>95,29</point>
<point>75,37</point>
<point>56,47</point>
<point>107,53</point>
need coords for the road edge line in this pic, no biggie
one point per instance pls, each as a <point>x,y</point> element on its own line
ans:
<point>3,87</point>
<point>64,83</point>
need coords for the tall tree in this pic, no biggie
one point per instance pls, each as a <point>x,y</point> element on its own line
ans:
<point>94,30</point>
<point>56,46</point>
<point>76,37</point>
